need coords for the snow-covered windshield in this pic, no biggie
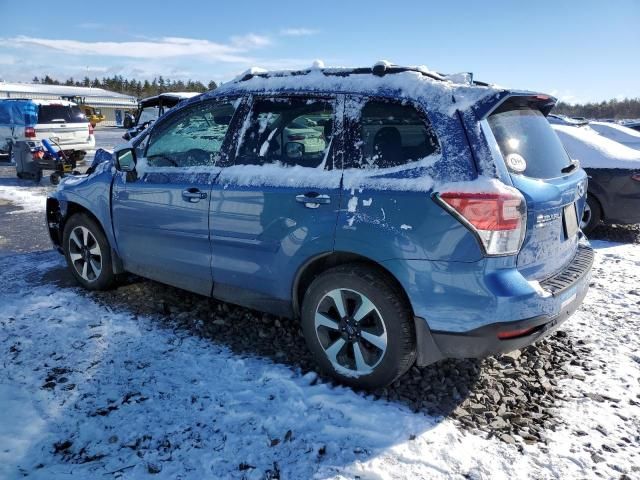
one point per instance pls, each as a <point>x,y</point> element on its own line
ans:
<point>528,143</point>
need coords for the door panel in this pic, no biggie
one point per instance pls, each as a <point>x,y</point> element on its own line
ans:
<point>160,234</point>
<point>161,212</point>
<point>262,229</point>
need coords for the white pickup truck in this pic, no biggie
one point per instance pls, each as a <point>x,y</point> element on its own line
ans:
<point>60,121</point>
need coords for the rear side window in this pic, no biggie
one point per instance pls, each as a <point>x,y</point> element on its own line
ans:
<point>528,144</point>
<point>289,131</point>
<point>61,114</point>
<point>390,134</point>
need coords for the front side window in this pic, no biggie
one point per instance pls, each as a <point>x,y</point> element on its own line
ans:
<point>390,134</point>
<point>288,131</point>
<point>192,138</point>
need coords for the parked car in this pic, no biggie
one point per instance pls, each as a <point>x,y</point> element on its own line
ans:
<point>60,121</point>
<point>439,221</point>
<point>614,175</point>
<point>618,133</point>
<point>556,119</point>
<point>150,109</point>
<point>634,125</point>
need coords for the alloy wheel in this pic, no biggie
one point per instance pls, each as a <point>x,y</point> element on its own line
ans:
<point>85,254</point>
<point>351,331</point>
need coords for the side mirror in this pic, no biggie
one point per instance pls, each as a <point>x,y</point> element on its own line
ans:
<point>294,150</point>
<point>126,160</point>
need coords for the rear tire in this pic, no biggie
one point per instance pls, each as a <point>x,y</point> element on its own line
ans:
<point>592,215</point>
<point>88,253</point>
<point>358,326</point>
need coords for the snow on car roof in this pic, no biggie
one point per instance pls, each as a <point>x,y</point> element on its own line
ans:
<point>381,79</point>
<point>619,133</point>
<point>38,101</point>
<point>171,95</point>
<point>594,150</point>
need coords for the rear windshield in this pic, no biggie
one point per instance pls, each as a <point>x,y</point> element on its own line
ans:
<point>60,114</point>
<point>528,144</point>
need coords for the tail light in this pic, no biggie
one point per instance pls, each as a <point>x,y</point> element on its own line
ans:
<point>636,177</point>
<point>90,129</point>
<point>498,219</point>
<point>30,132</point>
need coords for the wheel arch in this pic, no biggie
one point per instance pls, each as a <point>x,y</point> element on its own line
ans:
<point>427,351</point>
<point>315,266</point>
<point>60,211</point>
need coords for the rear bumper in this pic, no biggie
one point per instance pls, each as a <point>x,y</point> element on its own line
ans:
<point>565,290</point>
<point>484,341</point>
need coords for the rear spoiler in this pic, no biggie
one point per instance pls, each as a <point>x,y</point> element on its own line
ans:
<point>539,101</point>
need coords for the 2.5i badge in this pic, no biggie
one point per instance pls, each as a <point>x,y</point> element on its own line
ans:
<point>516,162</point>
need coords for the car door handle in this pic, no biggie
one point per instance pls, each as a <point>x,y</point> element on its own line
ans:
<point>313,200</point>
<point>193,195</point>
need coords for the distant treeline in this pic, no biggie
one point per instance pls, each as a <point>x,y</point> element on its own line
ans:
<point>618,109</point>
<point>132,87</point>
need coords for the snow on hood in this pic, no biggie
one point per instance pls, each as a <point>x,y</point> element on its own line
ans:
<point>619,133</point>
<point>595,151</point>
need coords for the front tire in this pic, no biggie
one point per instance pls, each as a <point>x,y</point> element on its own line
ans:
<point>88,253</point>
<point>358,326</point>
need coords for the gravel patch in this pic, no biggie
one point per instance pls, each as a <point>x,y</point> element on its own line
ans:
<point>617,233</point>
<point>511,397</point>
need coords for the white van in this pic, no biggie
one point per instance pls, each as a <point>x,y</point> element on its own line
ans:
<point>60,121</point>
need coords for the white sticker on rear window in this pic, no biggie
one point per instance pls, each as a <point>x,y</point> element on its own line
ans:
<point>516,162</point>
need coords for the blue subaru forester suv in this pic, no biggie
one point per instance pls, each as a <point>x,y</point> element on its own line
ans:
<point>403,215</point>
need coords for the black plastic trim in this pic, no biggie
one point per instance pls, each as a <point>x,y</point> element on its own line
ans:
<point>484,341</point>
<point>577,268</point>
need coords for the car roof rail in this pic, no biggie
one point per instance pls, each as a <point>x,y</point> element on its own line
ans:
<point>379,69</point>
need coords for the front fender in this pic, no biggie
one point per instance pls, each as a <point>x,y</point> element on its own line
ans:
<point>91,193</point>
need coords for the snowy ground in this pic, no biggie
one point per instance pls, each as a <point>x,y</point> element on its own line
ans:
<point>93,391</point>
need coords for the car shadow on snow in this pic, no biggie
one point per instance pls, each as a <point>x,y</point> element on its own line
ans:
<point>149,379</point>
<point>435,390</point>
<point>501,397</point>
<point>497,396</point>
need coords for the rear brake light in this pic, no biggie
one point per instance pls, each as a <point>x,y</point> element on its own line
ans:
<point>30,132</point>
<point>90,129</point>
<point>497,218</point>
<point>636,177</point>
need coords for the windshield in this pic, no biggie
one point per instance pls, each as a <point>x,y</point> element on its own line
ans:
<point>148,114</point>
<point>528,144</point>
<point>60,114</point>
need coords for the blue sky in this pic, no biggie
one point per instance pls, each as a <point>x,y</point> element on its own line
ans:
<point>577,50</point>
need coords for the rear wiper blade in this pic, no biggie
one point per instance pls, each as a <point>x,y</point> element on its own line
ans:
<point>571,167</point>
